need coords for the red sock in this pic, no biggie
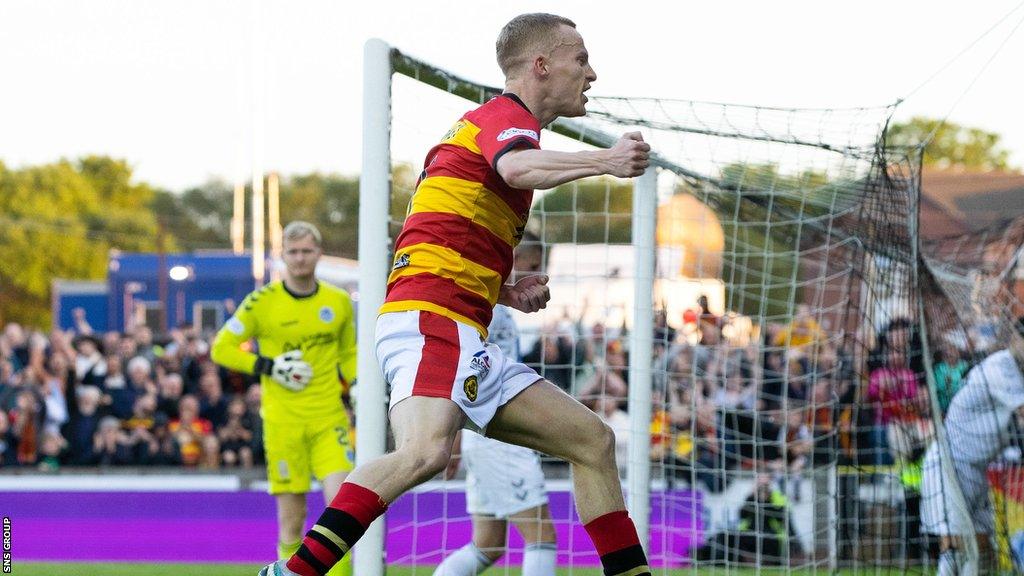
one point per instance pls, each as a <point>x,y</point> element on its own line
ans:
<point>343,523</point>
<point>617,544</point>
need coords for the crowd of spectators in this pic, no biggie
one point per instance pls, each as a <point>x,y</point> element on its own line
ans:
<point>776,401</point>
<point>76,398</point>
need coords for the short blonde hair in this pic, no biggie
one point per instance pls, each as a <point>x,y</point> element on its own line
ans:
<point>297,229</point>
<point>524,32</point>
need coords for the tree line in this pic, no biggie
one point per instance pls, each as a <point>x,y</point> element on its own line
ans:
<point>61,220</point>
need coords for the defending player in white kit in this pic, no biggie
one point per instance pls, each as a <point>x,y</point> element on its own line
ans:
<point>977,431</point>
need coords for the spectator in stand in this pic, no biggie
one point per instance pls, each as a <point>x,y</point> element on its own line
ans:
<point>235,437</point>
<point>143,413</point>
<point>10,383</point>
<point>111,446</point>
<point>195,435</point>
<point>111,344</point>
<point>120,394</point>
<point>8,443</point>
<point>735,394</point>
<point>802,332</point>
<point>161,448</point>
<point>213,405</point>
<point>195,356</point>
<point>140,376</point>
<point>143,338</point>
<point>553,357</point>
<point>27,425</point>
<point>51,451</point>
<point>17,341</point>
<point>83,425</point>
<point>767,532</point>
<point>893,391</point>
<point>53,386</point>
<point>90,365</point>
<point>607,380</point>
<point>950,369</point>
<point>114,377</point>
<point>171,389</point>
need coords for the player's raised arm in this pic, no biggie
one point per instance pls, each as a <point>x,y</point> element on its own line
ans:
<point>532,168</point>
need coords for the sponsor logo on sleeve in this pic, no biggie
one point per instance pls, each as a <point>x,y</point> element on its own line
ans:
<point>509,133</point>
<point>235,326</point>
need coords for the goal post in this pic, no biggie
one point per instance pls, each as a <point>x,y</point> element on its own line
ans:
<point>374,191</point>
<point>771,267</point>
<point>381,62</point>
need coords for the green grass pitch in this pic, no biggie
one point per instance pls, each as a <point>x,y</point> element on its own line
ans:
<point>121,569</point>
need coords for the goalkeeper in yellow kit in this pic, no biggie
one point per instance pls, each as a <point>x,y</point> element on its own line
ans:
<point>305,330</point>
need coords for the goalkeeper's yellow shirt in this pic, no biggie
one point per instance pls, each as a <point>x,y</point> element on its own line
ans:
<point>321,324</point>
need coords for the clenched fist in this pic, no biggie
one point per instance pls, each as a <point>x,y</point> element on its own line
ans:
<point>527,295</point>
<point>630,156</point>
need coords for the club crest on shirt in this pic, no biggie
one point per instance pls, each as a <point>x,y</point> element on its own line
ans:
<point>401,262</point>
<point>481,362</point>
<point>326,314</point>
<point>469,386</point>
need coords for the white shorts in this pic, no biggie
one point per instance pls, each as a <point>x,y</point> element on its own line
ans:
<point>501,479</point>
<point>940,514</point>
<point>426,354</point>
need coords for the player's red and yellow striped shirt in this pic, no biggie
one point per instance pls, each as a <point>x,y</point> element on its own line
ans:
<point>455,249</point>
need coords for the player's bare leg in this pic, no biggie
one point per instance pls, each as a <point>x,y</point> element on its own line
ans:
<point>424,429</point>
<point>548,420</point>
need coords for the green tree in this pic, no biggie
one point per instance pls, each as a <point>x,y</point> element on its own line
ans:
<point>61,220</point>
<point>200,217</point>
<point>592,211</point>
<point>768,218</point>
<point>952,146</point>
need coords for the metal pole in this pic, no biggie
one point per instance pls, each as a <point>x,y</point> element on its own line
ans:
<point>374,252</point>
<point>641,352</point>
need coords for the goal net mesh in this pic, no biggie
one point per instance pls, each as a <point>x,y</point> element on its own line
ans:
<point>800,324</point>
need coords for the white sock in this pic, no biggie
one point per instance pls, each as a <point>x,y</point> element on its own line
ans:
<point>540,559</point>
<point>466,561</point>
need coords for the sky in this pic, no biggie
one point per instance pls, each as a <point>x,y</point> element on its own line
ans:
<point>183,89</point>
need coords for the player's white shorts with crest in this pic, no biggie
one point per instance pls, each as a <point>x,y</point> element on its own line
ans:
<point>940,513</point>
<point>426,354</point>
<point>501,479</point>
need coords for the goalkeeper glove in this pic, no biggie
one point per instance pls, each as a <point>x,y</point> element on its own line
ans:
<point>287,369</point>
